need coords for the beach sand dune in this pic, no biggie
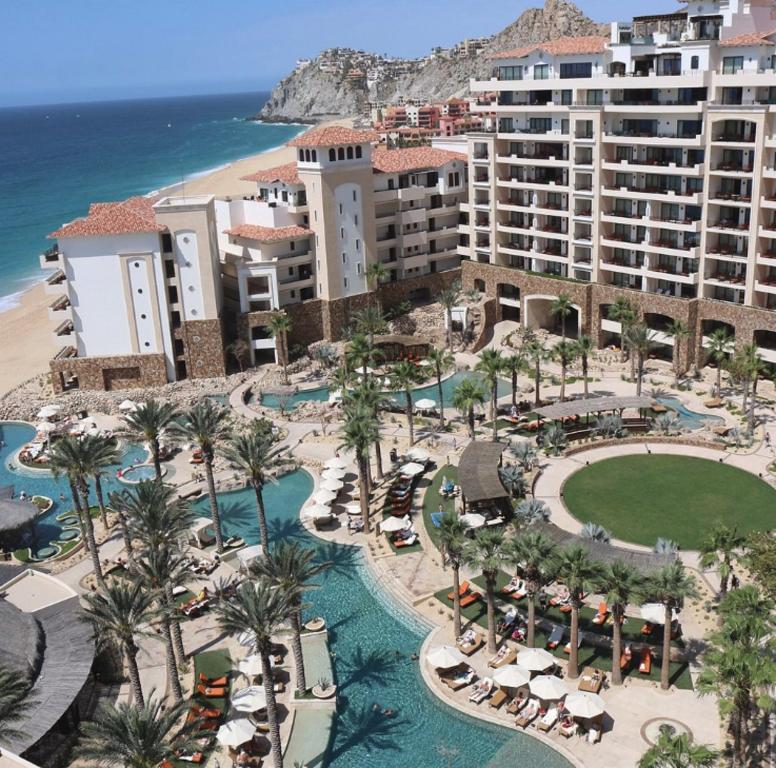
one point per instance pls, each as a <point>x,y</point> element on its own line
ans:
<point>26,342</point>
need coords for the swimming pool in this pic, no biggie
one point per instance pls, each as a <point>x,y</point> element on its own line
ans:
<point>372,640</point>
<point>39,482</point>
<point>321,394</point>
<point>690,419</point>
<point>138,473</point>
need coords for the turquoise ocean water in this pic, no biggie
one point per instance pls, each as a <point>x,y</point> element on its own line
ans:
<point>56,159</point>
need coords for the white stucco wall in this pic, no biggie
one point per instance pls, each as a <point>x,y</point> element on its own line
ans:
<point>350,237</point>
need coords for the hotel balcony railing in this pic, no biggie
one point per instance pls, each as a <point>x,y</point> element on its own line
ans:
<point>656,163</point>
<point>728,224</point>
<point>649,135</point>
<point>729,196</point>
<point>741,138</point>
<point>51,254</point>
<point>638,264</point>
<point>714,251</point>
<point>622,214</point>
<point>733,167</point>
<point>653,190</point>
<point>623,239</point>
<point>726,277</point>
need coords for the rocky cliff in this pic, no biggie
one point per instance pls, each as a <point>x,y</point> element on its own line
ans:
<point>310,94</point>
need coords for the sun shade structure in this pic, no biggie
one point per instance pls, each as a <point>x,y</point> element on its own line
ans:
<point>478,472</point>
<point>318,511</point>
<point>336,463</point>
<point>249,699</point>
<point>536,659</point>
<point>333,474</point>
<point>251,665</point>
<point>393,524</point>
<point>584,704</point>
<point>324,497</point>
<point>548,687</point>
<point>591,405</point>
<point>332,485</point>
<point>249,555</point>
<point>418,454</point>
<point>445,657</point>
<point>16,514</point>
<point>48,411</point>
<point>655,613</point>
<point>426,404</point>
<point>127,406</point>
<point>236,732</point>
<point>512,676</point>
<point>473,520</point>
<point>411,469</point>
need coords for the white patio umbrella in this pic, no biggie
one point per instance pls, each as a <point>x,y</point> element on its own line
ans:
<point>318,510</point>
<point>655,613</point>
<point>418,454</point>
<point>393,524</point>
<point>445,656</point>
<point>336,463</point>
<point>353,509</point>
<point>45,427</point>
<point>425,363</point>
<point>473,520</point>
<point>324,497</point>
<point>426,404</point>
<point>360,371</point>
<point>332,485</point>
<point>48,411</point>
<point>411,469</point>
<point>127,406</point>
<point>249,699</point>
<point>548,687</point>
<point>236,732</point>
<point>333,474</point>
<point>536,659</point>
<point>335,397</point>
<point>251,665</point>
<point>512,676</point>
<point>250,554</point>
<point>584,704</point>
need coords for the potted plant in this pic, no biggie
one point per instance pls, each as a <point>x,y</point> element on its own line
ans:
<point>324,689</point>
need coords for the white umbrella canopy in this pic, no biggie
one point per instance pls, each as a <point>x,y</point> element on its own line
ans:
<point>319,510</point>
<point>236,732</point>
<point>353,509</point>
<point>332,485</point>
<point>333,474</point>
<point>337,462</point>
<point>48,411</point>
<point>249,699</point>
<point>324,497</point>
<point>536,659</point>
<point>411,469</point>
<point>249,554</point>
<point>512,676</point>
<point>425,404</point>
<point>548,687</point>
<point>418,454</point>
<point>127,406</point>
<point>45,427</point>
<point>584,704</point>
<point>393,524</point>
<point>251,665</point>
<point>425,363</point>
<point>655,613</point>
<point>445,656</point>
<point>360,371</point>
<point>473,520</point>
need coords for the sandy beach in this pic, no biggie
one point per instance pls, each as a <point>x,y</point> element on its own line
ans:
<point>26,343</point>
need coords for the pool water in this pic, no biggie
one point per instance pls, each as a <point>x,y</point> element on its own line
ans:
<point>690,419</point>
<point>321,394</point>
<point>138,473</point>
<point>372,640</point>
<point>36,482</point>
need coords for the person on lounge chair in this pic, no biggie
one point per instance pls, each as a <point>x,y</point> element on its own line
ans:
<point>555,638</point>
<point>515,583</point>
<point>508,621</point>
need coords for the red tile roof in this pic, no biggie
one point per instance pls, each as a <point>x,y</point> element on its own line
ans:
<point>286,174</point>
<point>333,136</point>
<point>562,46</point>
<point>743,41</point>
<point>268,234</point>
<point>130,216</point>
<point>411,159</point>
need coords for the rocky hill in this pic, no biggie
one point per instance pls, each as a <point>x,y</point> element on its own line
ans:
<point>310,94</point>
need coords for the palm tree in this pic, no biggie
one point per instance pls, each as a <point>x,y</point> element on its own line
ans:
<point>620,584</point>
<point>99,453</point>
<point>579,572</point>
<point>362,353</point>
<point>669,586</point>
<point>678,751</point>
<point>251,452</point>
<point>562,306</point>
<point>291,568</point>
<point>448,298</point>
<point>638,337</point>
<point>341,378</point>
<point>718,348</point>
<point>622,312</point>
<point>468,395</point>
<point>15,703</point>
<point>565,352</point>
<point>279,328</point>
<point>718,548</point>
<point>584,345</point>
<point>490,365</point>
<point>441,361</point>
<point>452,542</point>
<point>513,365</point>
<point>404,377</point>
<point>160,570</point>
<point>485,553</point>
<point>148,423</point>
<point>369,322</point>
<point>751,367</point>
<point>264,610</point>
<point>67,458</point>
<point>536,354</point>
<point>359,432</point>
<point>369,394</point>
<point>534,552</point>
<point>137,736</point>
<point>207,426</point>
<point>120,614</point>
<point>679,332</point>
<point>377,273</point>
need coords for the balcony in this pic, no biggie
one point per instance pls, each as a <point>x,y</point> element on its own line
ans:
<point>60,309</point>
<point>652,138</point>
<point>635,192</point>
<point>57,282</point>
<point>65,328</point>
<point>767,285</point>
<point>51,258</point>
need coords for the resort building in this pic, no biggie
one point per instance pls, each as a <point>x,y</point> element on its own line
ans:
<point>636,165</point>
<point>150,292</point>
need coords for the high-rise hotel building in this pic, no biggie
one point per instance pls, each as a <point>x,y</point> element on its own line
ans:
<point>642,165</point>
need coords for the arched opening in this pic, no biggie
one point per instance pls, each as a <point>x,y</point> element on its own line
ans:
<point>301,155</point>
<point>479,285</point>
<point>332,155</point>
<point>314,154</point>
<point>617,69</point>
<point>341,153</point>
<point>539,314</point>
<point>766,347</point>
<point>509,301</point>
<point>350,153</point>
<point>307,155</point>
<point>359,153</point>
<point>709,327</point>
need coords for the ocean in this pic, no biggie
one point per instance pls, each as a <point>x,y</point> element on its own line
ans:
<point>56,159</point>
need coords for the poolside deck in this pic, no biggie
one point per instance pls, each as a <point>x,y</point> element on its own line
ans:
<point>310,734</point>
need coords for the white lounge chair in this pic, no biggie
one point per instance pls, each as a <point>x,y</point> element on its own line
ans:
<point>547,723</point>
<point>482,690</point>
<point>567,648</point>
<point>528,715</point>
<point>556,636</point>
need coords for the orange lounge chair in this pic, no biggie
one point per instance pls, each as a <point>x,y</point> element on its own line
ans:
<point>645,667</point>
<point>212,693</point>
<point>603,612</point>
<point>214,682</point>
<point>472,597</point>
<point>625,659</point>
<point>647,629</point>
<point>462,590</point>
<point>198,711</point>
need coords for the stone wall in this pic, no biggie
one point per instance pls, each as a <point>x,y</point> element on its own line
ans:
<point>203,344</point>
<point>110,372</point>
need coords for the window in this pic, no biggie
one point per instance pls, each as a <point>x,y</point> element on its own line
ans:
<point>359,153</point>
<point>307,155</point>
<point>314,156</point>
<point>350,153</point>
<point>541,71</point>
<point>293,245</point>
<point>565,97</point>
<point>355,196</point>
<point>332,155</point>
<point>344,258</point>
<point>732,64</point>
<point>340,209</point>
<point>510,73</point>
<point>575,69</point>
<point>346,282</point>
<point>358,267</point>
<point>595,97</point>
<point>342,232</point>
<point>285,196</point>
<point>355,219</point>
<point>358,245</point>
<point>341,153</point>
<point>167,243</point>
<point>301,155</point>
<point>391,184</point>
<point>694,62</point>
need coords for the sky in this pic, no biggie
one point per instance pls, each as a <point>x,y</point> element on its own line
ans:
<point>84,50</point>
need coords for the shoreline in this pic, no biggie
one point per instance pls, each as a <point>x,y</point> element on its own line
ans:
<point>25,331</point>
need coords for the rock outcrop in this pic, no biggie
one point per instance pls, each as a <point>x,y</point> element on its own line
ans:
<point>310,94</point>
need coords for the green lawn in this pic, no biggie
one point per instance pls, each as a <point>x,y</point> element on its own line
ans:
<point>433,499</point>
<point>639,498</point>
